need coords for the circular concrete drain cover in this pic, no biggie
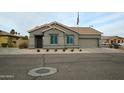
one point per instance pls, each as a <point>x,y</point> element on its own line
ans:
<point>42,71</point>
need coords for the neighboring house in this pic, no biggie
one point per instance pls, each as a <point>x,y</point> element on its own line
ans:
<point>111,39</point>
<point>57,35</point>
<point>9,40</point>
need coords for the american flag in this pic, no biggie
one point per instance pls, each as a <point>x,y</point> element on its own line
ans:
<point>78,18</point>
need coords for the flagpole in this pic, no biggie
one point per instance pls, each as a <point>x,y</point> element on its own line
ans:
<point>78,26</point>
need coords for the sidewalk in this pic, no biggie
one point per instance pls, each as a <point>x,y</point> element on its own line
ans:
<point>9,51</point>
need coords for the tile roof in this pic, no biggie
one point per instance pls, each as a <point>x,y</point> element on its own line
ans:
<point>110,37</point>
<point>80,30</point>
<point>4,33</point>
<point>85,30</point>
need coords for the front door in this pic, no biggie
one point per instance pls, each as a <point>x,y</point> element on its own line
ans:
<point>39,41</point>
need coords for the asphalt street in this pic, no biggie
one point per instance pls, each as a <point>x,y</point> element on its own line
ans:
<point>94,66</point>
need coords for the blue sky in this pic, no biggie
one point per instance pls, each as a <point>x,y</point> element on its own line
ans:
<point>110,23</point>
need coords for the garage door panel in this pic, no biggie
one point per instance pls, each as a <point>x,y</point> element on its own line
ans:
<point>88,43</point>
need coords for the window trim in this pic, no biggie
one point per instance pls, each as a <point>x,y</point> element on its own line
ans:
<point>51,42</point>
<point>67,40</point>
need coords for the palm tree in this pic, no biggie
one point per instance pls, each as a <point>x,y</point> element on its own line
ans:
<point>12,31</point>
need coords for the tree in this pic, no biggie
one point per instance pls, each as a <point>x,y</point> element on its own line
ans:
<point>12,32</point>
<point>10,42</point>
<point>16,33</point>
<point>25,38</point>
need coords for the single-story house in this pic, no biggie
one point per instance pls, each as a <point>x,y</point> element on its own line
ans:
<point>57,35</point>
<point>10,40</point>
<point>111,39</point>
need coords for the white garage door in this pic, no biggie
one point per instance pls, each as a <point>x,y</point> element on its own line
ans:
<point>88,43</point>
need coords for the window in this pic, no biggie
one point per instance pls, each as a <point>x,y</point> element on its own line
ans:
<point>54,39</point>
<point>111,41</point>
<point>70,39</point>
<point>118,41</point>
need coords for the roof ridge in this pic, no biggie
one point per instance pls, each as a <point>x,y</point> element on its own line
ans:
<point>87,30</point>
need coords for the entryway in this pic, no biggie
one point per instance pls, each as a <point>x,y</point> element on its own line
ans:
<point>39,41</point>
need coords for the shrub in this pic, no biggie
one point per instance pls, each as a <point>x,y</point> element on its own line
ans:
<point>23,45</point>
<point>38,50</point>
<point>10,42</point>
<point>47,50</point>
<point>110,46</point>
<point>80,50</point>
<point>25,38</point>
<point>56,50</point>
<point>64,49</point>
<point>4,44</point>
<point>72,50</point>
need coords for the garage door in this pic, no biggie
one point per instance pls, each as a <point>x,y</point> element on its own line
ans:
<point>88,43</point>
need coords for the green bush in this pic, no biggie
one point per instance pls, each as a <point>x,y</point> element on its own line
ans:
<point>23,45</point>
<point>47,50</point>
<point>72,50</point>
<point>10,42</point>
<point>38,50</point>
<point>55,50</point>
<point>25,38</point>
<point>110,46</point>
<point>4,44</point>
<point>80,50</point>
<point>10,45</point>
<point>64,49</point>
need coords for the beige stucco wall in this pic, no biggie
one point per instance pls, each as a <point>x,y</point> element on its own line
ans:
<point>62,38</point>
<point>3,39</point>
<point>31,43</point>
<point>46,39</point>
<point>84,40</point>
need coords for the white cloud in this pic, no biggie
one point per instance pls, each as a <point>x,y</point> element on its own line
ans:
<point>116,28</point>
<point>24,21</point>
